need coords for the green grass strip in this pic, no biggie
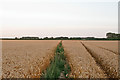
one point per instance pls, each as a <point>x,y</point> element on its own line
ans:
<point>58,65</point>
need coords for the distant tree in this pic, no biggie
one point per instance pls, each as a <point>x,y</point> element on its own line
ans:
<point>45,38</point>
<point>16,38</point>
<point>51,38</point>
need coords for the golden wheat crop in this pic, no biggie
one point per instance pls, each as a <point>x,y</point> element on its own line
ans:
<point>82,63</point>
<point>26,58</point>
<point>108,45</point>
<point>107,59</point>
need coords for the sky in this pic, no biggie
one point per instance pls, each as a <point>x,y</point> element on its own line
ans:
<point>52,18</point>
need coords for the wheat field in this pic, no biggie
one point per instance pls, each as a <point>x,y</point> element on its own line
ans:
<point>26,59</point>
<point>107,59</point>
<point>108,45</point>
<point>81,62</point>
<point>87,59</point>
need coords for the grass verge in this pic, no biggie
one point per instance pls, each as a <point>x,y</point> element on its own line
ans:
<point>58,65</point>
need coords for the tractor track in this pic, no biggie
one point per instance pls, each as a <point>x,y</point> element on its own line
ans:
<point>96,60</point>
<point>107,50</point>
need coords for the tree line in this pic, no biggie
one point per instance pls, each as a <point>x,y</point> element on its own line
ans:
<point>60,38</point>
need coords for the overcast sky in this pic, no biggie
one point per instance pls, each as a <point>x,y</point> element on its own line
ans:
<point>58,17</point>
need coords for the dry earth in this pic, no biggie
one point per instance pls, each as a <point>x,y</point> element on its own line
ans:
<point>26,59</point>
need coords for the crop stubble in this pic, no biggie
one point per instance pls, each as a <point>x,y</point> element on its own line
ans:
<point>26,58</point>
